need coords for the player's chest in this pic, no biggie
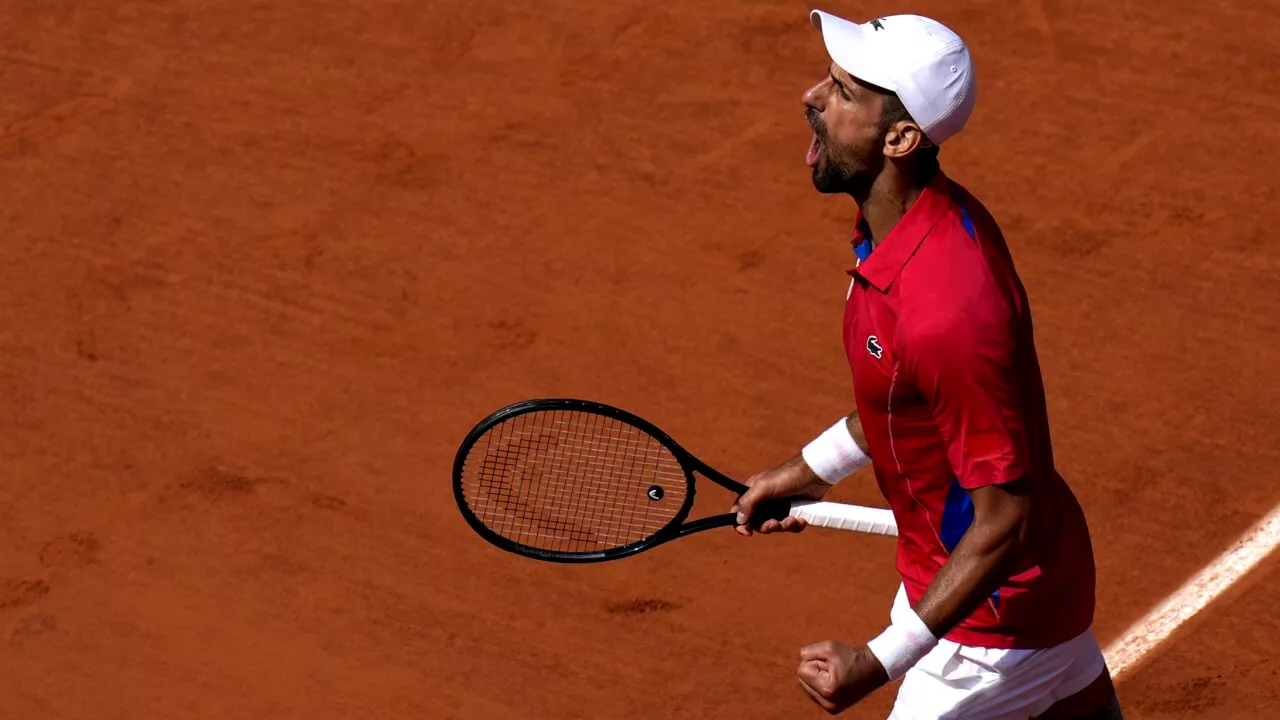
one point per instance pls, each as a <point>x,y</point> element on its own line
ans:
<point>870,342</point>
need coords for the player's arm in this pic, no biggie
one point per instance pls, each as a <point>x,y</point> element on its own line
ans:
<point>982,560</point>
<point>835,675</point>
<point>966,371</point>
<point>829,458</point>
<point>964,364</point>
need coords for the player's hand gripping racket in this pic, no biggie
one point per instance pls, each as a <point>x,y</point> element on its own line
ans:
<point>578,481</point>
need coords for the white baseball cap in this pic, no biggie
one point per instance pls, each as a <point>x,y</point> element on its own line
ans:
<point>921,60</point>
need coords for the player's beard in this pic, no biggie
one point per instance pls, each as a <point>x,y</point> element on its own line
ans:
<point>842,168</point>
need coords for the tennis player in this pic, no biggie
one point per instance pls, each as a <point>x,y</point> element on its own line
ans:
<point>994,614</point>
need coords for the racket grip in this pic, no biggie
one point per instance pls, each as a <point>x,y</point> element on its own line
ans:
<point>773,509</point>
<point>840,516</point>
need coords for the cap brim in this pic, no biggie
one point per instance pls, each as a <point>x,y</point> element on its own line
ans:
<point>850,47</point>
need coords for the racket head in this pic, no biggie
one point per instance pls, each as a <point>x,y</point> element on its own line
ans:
<point>572,481</point>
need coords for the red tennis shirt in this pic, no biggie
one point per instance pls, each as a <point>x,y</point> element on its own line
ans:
<point>938,334</point>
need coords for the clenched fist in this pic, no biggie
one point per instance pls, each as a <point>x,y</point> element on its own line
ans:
<point>836,676</point>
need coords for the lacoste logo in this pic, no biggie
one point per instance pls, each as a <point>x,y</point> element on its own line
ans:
<point>873,347</point>
<point>877,25</point>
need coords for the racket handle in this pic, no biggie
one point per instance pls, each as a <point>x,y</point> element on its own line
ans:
<point>840,516</point>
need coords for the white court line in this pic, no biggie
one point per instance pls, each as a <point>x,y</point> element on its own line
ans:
<point>1156,626</point>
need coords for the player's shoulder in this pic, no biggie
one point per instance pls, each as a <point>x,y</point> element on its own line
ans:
<point>952,268</point>
<point>965,250</point>
<point>955,288</point>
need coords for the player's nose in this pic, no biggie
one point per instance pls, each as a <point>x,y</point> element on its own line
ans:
<point>813,98</point>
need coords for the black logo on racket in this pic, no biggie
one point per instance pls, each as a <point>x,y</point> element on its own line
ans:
<point>655,492</point>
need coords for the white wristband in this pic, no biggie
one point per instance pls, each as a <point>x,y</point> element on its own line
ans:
<point>902,644</point>
<point>834,455</point>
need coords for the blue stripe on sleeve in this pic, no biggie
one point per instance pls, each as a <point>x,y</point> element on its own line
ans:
<point>957,515</point>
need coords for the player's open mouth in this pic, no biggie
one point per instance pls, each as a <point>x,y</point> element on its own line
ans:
<point>811,158</point>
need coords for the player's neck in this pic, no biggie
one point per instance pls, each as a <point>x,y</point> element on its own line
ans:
<point>889,198</point>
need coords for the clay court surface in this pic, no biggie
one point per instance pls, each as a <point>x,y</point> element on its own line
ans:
<point>264,264</point>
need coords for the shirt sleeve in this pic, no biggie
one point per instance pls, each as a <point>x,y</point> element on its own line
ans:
<point>965,365</point>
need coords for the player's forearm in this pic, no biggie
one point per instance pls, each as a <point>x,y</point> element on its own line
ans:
<point>977,566</point>
<point>980,563</point>
<point>854,423</point>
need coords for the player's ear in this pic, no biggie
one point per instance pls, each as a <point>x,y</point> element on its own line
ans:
<point>904,138</point>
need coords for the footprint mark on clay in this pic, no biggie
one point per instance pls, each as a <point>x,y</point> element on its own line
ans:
<point>87,347</point>
<point>20,593</point>
<point>512,334</point>
<point>71,551</point>
<point>222,483</point>
<point>31,628</point>
<point>328,502</point>
<point>641,606</point>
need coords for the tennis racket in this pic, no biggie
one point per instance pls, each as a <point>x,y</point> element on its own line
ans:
<point>577,481</point>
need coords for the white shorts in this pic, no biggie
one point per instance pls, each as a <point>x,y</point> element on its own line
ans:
<point>957,681</point>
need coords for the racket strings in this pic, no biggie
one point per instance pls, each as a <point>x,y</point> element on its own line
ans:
<point>572,482</point>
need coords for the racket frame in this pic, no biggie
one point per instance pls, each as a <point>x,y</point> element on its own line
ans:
<point>676,527</point>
